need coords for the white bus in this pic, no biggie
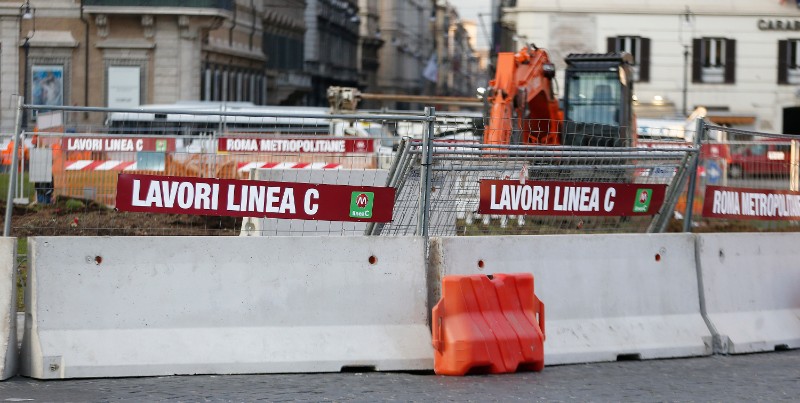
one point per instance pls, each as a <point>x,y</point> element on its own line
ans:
<point>217,118</point>
<point>197,124</point>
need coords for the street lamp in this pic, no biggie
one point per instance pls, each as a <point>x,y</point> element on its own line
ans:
<point>687,22</point>
<point>27,13</point>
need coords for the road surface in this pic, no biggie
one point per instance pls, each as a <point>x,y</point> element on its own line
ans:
<point>764,377</point>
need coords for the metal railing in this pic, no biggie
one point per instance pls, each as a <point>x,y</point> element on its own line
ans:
<point>745,180</point>
<point>436,162</point>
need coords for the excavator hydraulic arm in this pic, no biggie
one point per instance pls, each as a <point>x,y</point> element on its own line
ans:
<point>521,97</point>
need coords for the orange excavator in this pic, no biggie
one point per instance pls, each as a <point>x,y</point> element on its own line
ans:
<point>597,105</point>
<point>521,99</point>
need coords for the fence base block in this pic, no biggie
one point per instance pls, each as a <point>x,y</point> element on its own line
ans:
<point>148,306</point>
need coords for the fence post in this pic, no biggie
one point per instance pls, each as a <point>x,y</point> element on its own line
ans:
<point>12,177</point>
<point>698,138</point>
<point>794,174</point>
<point>425,172</point>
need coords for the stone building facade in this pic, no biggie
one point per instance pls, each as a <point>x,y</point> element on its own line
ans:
<point>100,53</point>
<point>122,54</point>
<point>457,59</point>
<point>331,46</point>
<point>740,59</point>
<point>284,48</point>
<point>407,29</point>
<point>370,42</point>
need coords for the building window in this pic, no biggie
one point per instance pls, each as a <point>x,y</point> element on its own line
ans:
<point>123,86</point>
<point>49,77</point>
<point>47,85</point>
<point>239,87</point>
<point>639,48</point>
<point>216,88</point>
<point>714,60</point>
<point>285,52</point>
<point>126,73</point>
<point>206,83</point>
<point>230,85</point>
<point>789,61</point>
<point>219,83</point>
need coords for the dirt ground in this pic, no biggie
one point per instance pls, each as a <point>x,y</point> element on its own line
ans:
<point>77,217</point>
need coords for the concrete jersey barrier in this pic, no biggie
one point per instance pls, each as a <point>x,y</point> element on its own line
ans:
<point>145,306</point>
<point>751,287</point>
<point>607,297</point>
<point>8,308</point>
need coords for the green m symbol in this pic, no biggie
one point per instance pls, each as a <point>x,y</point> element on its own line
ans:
<point>361,204</point>
<point>642,202</point>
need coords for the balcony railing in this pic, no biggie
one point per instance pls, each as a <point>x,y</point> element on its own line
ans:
<point>218,4</point>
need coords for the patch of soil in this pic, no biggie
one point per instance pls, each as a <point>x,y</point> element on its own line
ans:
<point>80,217</point>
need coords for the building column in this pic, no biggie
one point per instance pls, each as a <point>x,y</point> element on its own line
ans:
<point>190,64</point>
<point>10,60</point>
<point>176,60</point>
<point>166,61</point>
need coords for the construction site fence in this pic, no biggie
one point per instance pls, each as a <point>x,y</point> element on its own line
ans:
<point>746,181</point>
<point>66,175</point>
<point>439,187</point>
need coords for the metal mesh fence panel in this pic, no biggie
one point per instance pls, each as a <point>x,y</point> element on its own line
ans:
<point>74,156</point>
<point>70,169</point>
<point>747,181</point>
<point>461,163</point>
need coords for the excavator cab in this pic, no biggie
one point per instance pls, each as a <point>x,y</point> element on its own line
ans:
<point>597,100</point>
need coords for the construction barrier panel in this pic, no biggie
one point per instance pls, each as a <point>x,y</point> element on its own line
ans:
<point>488,325</point>
<point>147,306</point>
<point>255,226</point>
<point>751,290</point>
<point>8,308</point>
<point>609,297</point>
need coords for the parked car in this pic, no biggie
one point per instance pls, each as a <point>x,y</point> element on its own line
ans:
<point>761,158</point>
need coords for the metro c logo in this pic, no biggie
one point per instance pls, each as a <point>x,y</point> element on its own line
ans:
<point>361,204</point>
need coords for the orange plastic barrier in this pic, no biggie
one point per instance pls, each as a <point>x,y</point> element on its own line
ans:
<point>488,324</point>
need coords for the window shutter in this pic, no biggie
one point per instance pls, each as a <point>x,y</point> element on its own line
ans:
<point>783,62</point>
<point>697,66</point>
<point>644,60</point>
<point>730,61</point>
<point>611,44</point>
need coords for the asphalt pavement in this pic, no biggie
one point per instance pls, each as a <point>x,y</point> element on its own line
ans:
<point>766,377</point>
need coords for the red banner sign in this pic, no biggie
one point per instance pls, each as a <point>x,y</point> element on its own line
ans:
<point>510,197</point>
<point>322,145</point>
<point>247,198</point>
<point>118,144</point>
<point>751,204</point>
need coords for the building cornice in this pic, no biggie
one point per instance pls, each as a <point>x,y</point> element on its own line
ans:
<point>49,10</point>
<point>125,44</point>
<point>50,39</point>
<point>254,55</point>
<point>712,9</point>
<point>188,11</point>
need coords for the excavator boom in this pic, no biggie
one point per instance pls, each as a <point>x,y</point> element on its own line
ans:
<point>521,99</point>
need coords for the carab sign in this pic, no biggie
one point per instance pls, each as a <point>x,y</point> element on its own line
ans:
<point>510,197</point>
<point>248,198</point>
